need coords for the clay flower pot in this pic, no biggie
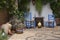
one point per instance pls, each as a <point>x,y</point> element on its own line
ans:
<point>19,30</point>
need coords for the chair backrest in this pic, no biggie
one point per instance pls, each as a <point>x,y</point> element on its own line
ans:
<point>30,23</point>
<point>51,17</point>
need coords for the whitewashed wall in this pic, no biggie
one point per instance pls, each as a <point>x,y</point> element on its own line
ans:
<point>32,11</point>
<point>44,13</point>
<point>46,10</point>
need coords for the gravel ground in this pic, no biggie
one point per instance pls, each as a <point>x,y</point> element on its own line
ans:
<point>38,34</point>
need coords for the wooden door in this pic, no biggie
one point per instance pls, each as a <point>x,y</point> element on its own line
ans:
<point>3,16</point>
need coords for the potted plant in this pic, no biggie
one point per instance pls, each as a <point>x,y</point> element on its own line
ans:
<point>3,35</point>
<point>19,28</point>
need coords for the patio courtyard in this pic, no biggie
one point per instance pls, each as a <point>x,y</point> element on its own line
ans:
<point>38,34</point>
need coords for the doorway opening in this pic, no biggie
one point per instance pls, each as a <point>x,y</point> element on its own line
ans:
<point>39,19</point>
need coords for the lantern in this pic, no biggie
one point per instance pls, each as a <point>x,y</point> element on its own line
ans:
<point>39,24</point>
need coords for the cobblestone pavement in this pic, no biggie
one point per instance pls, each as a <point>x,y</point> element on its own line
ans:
<point>38,34</point>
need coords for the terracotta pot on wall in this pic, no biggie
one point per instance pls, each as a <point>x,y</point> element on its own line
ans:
<point>3,16</point>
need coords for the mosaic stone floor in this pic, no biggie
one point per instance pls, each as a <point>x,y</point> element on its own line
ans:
<point>38,34</point>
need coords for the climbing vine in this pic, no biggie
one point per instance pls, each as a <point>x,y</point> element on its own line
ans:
<point>38,5</point>
<point>3,4</point>
<point>22,6</point>
<point>55,6</point>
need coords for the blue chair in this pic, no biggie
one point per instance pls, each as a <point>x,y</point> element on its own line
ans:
<point>33,24</point>
<point>30,24</point>
<point>51,24</point>
<point>51,20</point>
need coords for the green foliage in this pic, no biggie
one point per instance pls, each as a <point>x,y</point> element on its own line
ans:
<point>22,5</point>
<point>47,1</point>
<point>55,6</point>
<point>9,5</point>
<point>38,5</point>
<point>21,16</point>
<point>3,4</point>
<point>12,7</point>
<point>3,36</point>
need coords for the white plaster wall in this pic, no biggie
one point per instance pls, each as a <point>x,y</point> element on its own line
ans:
<point>32,11</point>
<point>45,11</point>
